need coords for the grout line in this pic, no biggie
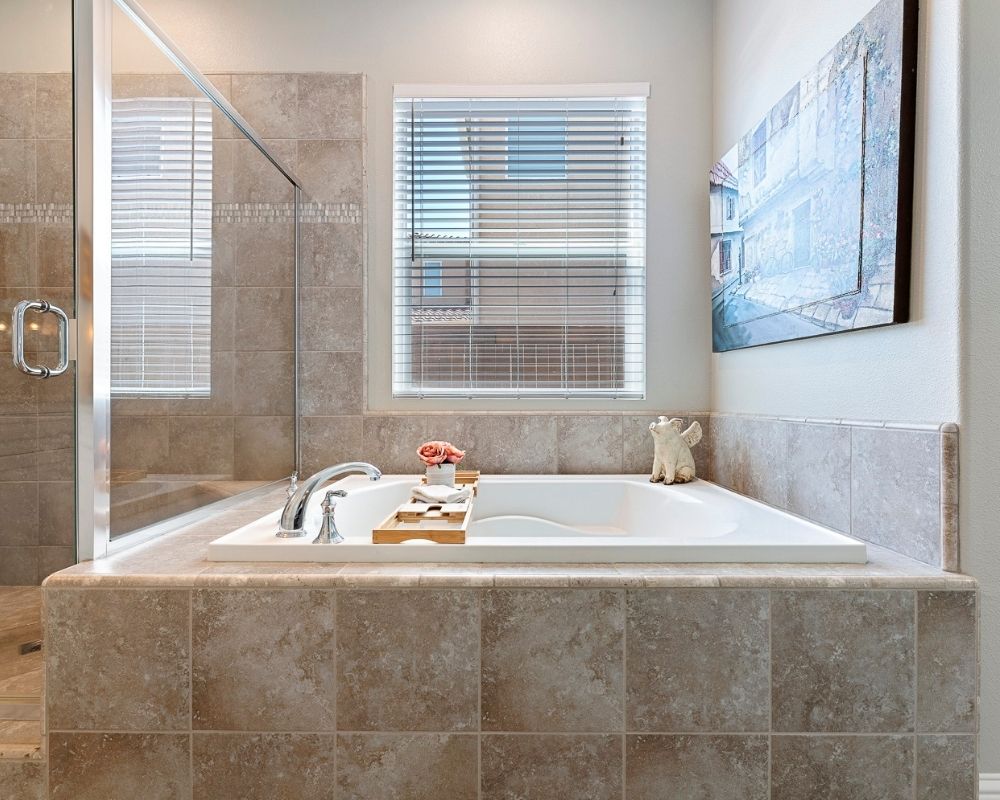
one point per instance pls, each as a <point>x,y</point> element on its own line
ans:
<point>624,605</point>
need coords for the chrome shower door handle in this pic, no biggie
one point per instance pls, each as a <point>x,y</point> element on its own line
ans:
<point>17,338</point>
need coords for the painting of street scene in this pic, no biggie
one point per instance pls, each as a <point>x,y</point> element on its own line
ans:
<point>810,210</point>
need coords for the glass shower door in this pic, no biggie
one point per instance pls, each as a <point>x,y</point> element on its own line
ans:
<point>37,306</point>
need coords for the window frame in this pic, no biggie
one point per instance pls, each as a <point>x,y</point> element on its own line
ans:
<point>634,340</point>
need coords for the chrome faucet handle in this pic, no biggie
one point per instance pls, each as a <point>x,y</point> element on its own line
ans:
<point>293,485</point>
<point>328,533</point>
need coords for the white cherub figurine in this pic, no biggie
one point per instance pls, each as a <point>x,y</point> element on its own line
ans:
<point>672,460</point>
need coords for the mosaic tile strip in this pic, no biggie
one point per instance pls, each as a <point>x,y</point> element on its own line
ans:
<point>27,213</point>
<point>343,213</point>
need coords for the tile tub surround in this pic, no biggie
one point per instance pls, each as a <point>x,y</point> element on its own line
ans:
<point>401,676</point>
<point>891,484</point>
<point>428,704</point>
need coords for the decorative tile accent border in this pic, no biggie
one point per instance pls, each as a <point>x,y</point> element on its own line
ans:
<point>892,484</point>
<point>46,213</point>
<point>342,213</point>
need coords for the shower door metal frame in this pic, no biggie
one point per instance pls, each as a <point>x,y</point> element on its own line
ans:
<point>92,93</point>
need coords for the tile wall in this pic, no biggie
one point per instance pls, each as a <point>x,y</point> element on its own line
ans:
<point>36,261</point>
<point>512,693</point>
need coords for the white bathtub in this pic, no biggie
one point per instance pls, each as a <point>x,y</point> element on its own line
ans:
<point>561,519</point>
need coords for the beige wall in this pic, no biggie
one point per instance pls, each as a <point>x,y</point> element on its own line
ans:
<point>665,42</point>
<point>907,372</point>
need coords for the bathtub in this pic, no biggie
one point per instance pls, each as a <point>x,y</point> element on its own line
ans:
<point>560,519</point>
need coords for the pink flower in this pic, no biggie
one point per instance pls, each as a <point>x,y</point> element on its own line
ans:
<point>433,453</point>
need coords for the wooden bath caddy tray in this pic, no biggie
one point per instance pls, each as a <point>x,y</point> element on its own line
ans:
<point>444,523</point>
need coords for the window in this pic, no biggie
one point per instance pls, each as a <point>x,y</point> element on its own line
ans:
<point>539,152</point>
<point>725,256</point>
<point>432,279</point>
<point>161,247</point>
<point>730,208</point>
<point>519,242</point>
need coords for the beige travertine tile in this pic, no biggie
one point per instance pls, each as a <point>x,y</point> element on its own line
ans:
<point>750,456</point>
<point>19,565</point>
<point>696,766</point>
<point>54,171</point>
<point>330,440</point>
<point>266,382</point>
<point>265,318</point>
<point>415,766</point>
<point>141,443</point>
<point>17,170</point>
<point>263,660</point>
<point>221,401</point>
<point>225,238</point>
<point>256,179</point>
<point>515,444</point>
<point>819,473</point>
<point>842,767</point>
<point>17,106</point>
<point>331,171</point>
<point>265,254</point>
<point>224,320</point>
<point>265,448</point>
<point>18,449</point>
<point>269,102</point>
<point>201,446</point>
<point>266,766</point>
<point>331,254</point>
<point>947,662</point>
<point>23,780</point>
<point>391,442</point>
<point>552,660</point>
<point>19,502</point>
<point>842,661</point>
<point>330,106</point>
<point>589,444</point>
<point>162,84</point>
<point>946,768</point>
<point>895,490</point>
<point>332,384</point>
<point>55,254</point>
<point>544,767</point>
<point>54,106</point>
<point>56,447</point>
<point>53,559</point>
<point>407,660</point>
<point>119,766</point>
<point>135,641</point>
<point>56,513</point>
<point>332,319</point>
<point>18,255</point>
<point>697,660</point>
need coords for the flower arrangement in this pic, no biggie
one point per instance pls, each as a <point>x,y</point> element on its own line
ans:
<point>434,453</point>
<point>440,459</point>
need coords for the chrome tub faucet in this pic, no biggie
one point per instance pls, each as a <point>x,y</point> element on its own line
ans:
<point>293,517</point>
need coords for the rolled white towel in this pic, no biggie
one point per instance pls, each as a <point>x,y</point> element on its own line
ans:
<point>434,493</point>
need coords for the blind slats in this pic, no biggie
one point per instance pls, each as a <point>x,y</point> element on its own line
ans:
<point>161,247</point>
<point>519,246</point>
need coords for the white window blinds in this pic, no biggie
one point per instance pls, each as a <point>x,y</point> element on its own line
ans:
<point>161,247</point>
<point>519,245</point>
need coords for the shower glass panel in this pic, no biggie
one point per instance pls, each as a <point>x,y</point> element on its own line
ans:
<point>37,455</point>
<point>202,296</point>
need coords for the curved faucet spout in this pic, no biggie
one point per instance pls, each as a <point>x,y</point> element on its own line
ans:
<point>293,518</point>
